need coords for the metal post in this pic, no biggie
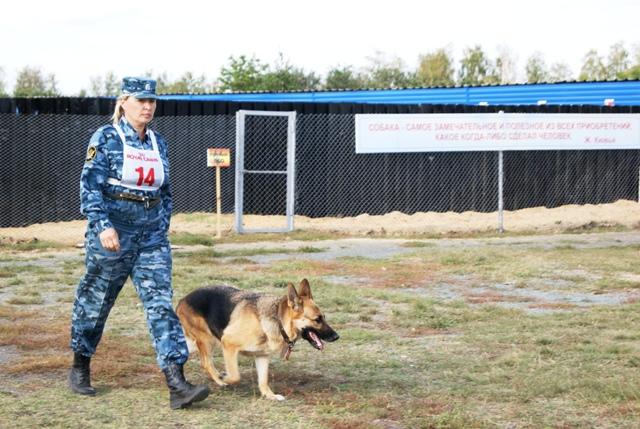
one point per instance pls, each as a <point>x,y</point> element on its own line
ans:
<point>291,169</point>
<point>239,169</point>
<point>218,203</point>
<point>500,198</point>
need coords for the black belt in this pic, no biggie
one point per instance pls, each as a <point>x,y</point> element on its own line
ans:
<point>148,202</point>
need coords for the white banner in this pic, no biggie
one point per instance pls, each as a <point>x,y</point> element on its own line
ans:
<point>385,133</point>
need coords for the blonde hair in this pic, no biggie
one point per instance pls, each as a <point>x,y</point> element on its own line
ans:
<point>119,111</point>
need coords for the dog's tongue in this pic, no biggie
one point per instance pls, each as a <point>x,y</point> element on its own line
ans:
<point>316,340</point>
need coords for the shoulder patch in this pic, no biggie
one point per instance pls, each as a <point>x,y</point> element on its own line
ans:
<point>91,153</point>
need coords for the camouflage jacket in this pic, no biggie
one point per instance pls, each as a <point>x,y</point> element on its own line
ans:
<point>104,160</point>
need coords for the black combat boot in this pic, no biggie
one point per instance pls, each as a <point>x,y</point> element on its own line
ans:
<point>182,393</point>
<point>80,375</point>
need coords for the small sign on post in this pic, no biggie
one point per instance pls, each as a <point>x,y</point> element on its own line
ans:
<point>218,158</point>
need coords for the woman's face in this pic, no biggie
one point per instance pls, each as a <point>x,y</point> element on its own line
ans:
<point>139,112</point>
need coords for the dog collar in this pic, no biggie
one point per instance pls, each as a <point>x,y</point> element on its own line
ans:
<point>287,352</point>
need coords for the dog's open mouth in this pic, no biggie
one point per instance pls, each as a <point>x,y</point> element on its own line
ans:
<point>313,338</point>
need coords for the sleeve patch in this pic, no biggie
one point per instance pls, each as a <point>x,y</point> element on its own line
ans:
<point>91,154</point>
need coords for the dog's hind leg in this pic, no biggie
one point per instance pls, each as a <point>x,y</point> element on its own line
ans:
<point>262,366</point>
<point>199,336</point>
<point>205,346</point>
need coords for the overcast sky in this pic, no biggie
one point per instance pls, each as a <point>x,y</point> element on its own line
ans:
<point>77,39</point>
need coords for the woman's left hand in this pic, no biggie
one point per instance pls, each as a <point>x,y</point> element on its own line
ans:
<point>109,240</point>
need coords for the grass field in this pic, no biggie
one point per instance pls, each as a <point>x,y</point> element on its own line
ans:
<point>525,332</point>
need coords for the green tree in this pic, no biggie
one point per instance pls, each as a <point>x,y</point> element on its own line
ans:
<point>633,71</point>
<point>112,83</point>
<point>475,68</point>
<point>536,69</point>
<point>560,72</point>
<point>505,66</point>
<point>162,81</point>
<point>618,61</point>
<point>593,67</point>
<point>344,78</point>
<point>493,75</point>
<point>188,83</point>
<point>435,69</point>
<point>32,83</point>
<point>107,86</point>
<point>3,91</point>
<point>242,74</point>
<point>286,77</point>
<point>387,73</point>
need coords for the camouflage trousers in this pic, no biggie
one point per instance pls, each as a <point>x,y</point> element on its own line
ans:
<point>145,255</point>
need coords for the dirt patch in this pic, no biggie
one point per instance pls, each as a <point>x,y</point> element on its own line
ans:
<point>326,249</point>
<point>527,299</point>
<point>9,353</point>
<point>576,218</point>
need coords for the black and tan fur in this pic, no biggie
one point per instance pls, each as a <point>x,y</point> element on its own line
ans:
<point>251,324</point>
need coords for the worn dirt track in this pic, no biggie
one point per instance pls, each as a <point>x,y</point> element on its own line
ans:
<point>538,220</point>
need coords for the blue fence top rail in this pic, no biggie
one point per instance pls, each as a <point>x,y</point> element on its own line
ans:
<point>619,93</point>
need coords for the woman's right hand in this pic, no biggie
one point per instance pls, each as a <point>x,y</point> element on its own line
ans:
<point>109,240</point>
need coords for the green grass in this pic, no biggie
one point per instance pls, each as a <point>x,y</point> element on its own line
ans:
<point>407,357</point>
<point>26,300</point>
<point>11,271</point>
<point>594,227</point>
<point>297,235</point>
<point>418,244</point>
<point>211,253</point>
<point>28,245</point>
<point>189,239</point>
<point>502,264</point>
<point>15,281</point>
<point>310,249</point>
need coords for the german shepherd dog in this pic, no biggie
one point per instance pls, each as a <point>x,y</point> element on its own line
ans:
<point>253,324</point>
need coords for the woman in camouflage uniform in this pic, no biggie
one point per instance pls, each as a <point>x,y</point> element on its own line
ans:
<point>125,194</point>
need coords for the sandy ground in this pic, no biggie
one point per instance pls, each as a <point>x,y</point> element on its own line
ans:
<point>537,220</point>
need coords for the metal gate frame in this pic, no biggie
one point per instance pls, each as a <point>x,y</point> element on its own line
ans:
<point>240,171</point>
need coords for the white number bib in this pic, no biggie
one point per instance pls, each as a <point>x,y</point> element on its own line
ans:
<point>141,169</point>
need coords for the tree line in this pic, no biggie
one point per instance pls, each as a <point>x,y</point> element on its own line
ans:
<point>435,69</point>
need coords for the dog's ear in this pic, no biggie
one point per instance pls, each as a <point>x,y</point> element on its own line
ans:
<point>305,289</point>
<point>293,299</point>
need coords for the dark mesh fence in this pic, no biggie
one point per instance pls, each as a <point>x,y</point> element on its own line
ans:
<point>555,178</point>
<point>332,180</point>
<point>193,184</point>
<point>41,156</point>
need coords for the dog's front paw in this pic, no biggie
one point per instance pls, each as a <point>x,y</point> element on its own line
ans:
<point>274,397</point>
<point>227,380</point>
<point>217,378</point>
<point>221,383</point>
